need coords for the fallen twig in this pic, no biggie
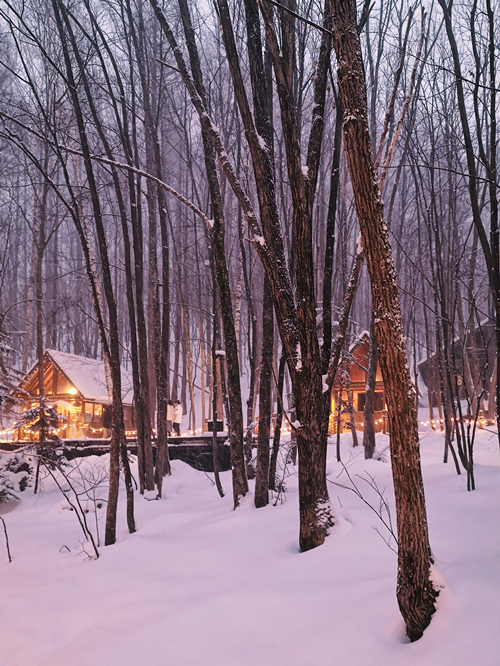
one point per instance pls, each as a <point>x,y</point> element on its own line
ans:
<point>378,512</point>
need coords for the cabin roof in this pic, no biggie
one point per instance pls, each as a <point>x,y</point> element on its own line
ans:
<point>484,334</point>
<point>88,376</point>
<point>362,339</point>
<point>485,337</point>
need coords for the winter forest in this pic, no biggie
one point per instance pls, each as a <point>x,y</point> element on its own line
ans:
<point>268,231</point>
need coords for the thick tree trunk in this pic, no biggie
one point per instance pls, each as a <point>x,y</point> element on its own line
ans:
<point>297,326</point>
<point>415,592</point>
<point>304,357</point>
<point>315,511</point>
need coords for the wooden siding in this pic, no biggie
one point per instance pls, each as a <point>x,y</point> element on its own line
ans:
<point>356,383</point>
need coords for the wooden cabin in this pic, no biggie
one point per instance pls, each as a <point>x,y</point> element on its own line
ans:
<point>473,353</point>
<point>351,377</point>
<point>77,387</point>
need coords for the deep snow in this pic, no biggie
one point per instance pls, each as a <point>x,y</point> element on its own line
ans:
<point>200,584</point>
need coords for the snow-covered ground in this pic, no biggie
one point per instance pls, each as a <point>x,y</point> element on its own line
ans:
<point>200,584</point>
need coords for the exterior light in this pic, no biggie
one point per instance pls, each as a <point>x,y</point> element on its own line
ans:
<point>73,390</point>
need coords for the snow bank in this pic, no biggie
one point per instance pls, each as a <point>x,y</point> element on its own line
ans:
<point>201,584</point>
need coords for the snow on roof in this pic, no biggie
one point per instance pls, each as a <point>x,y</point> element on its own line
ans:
<point>359,339</point>
<point>88,376</point>
<point>485,324</point>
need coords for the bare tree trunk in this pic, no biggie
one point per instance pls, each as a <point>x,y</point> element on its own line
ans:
<point>240,484</point>
<point>53,325</point>
<point>491,393</point>
<point>201,328</point>
<point>344,317</point>
<point>30,307</point>
<point>279,421</point>
<point>330,240</point>
<point>112,351</point>
<point>41,244</point>
<point>297,325</point>
<point>160,314</point>
<point>350,406</point>
<point>266,371</point>
<point>491,246</point>
<point>416,594</point>
<point>431,384</point>
<point>215,398</point>
<point>369,414</point>
<point>40,240</point>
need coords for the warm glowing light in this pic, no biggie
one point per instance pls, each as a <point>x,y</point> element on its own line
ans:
<point>73,390</point>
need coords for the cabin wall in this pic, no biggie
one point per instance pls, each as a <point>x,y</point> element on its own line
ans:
<point>356,380</point>
<point>358,393</point>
